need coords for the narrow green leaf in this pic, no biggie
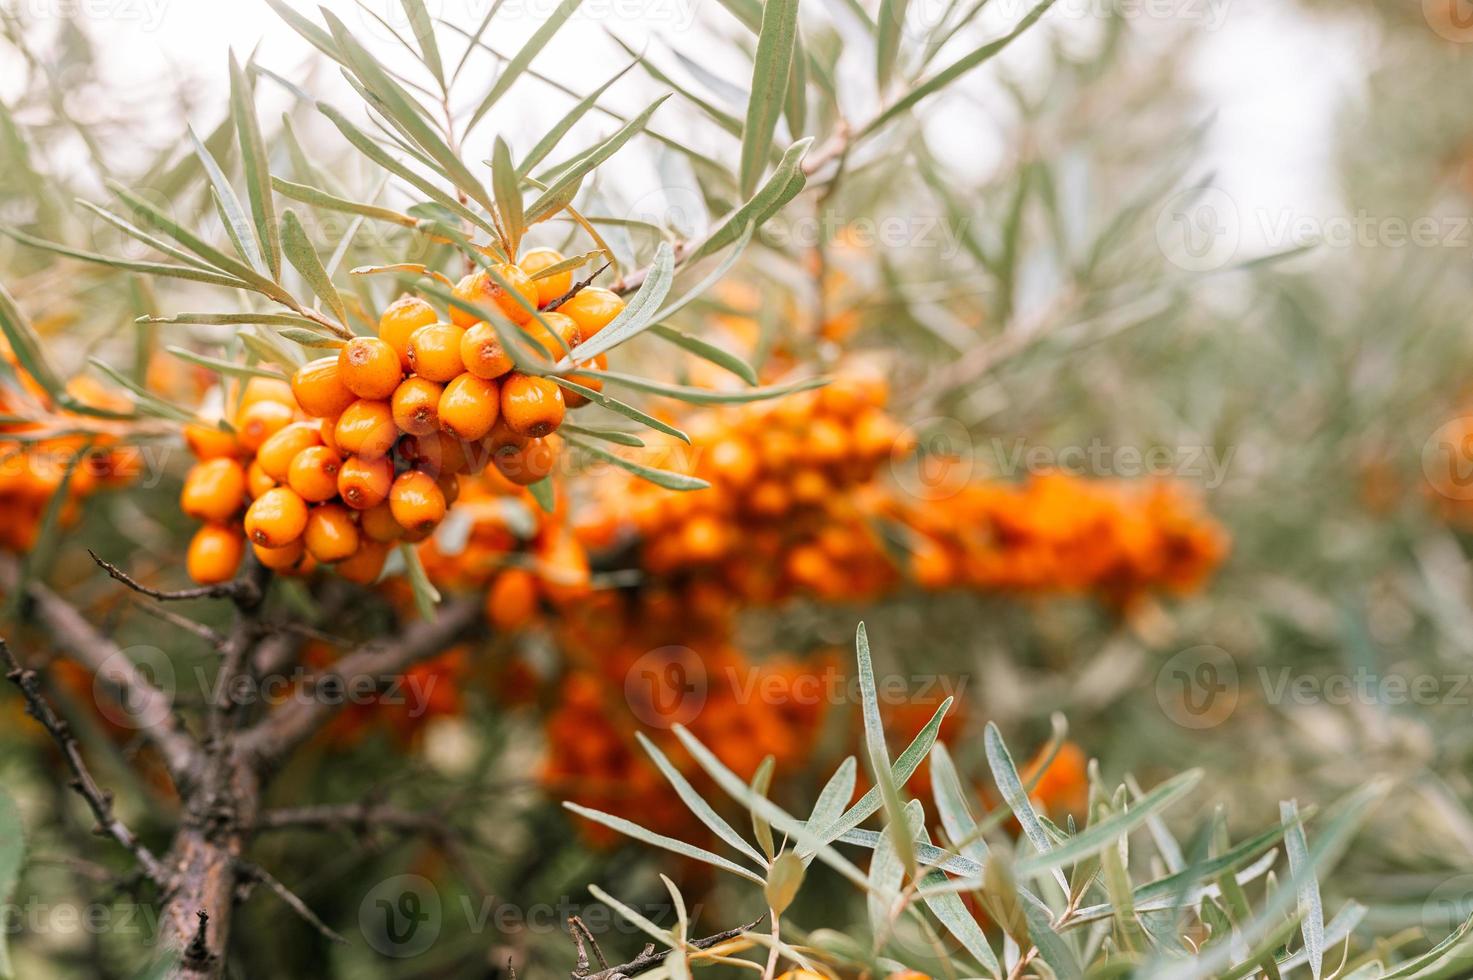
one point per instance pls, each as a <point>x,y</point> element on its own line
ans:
<point>889,866</point>
<point>303,257</point>
<point>707,351</point>
<point>951,805</point>
<point>662,478</point>
<point>761,829</point>
<point>426,596</point>
<point>322,199</point>
<point>561,191</point>
<point>257,166</point>
<point>695,802</point>
<point>631,829</point>
<point>519,62</point>
<point>784,879</point>
<point>770,69</point>
<point>223,367</point>
<point>1311,909</point>
<point>560,129</point>
<point>622,408</point>
<point>645,925</point>
<point>637,314</point>
<point>786,181</point>
<point>542,491</point>
<point>148,403</point>
<point>605,435</point>
<point>835,795</point>
<point>424,34</point>
<point>146,268</point>
<point>507,187</point>
<point>887,45</point>
<point>26,344</point>
<point>705,396</point>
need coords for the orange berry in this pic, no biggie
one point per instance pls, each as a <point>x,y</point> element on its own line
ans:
<point>575,399</point>
<point>480,289</point>
<point>449,485</point>
<point>214,554</point>
<point>258,481</point>
<point>330,534</point>
<point>469,406</point>
<point>277,518</point>
<point>434,352</point>
<point>259,421</point>
<point>437,453</point>
<point>415,405</point>
<point>377,523</point>
<point>417,501</point>
<point>319,388</point>
<point>370,367</point>
<point>209,441</point>
<point>511,602</point>
<point>593,308</point>
<point>532,406</point>
<point>259,389</point>
<point>213,490</point>
<point>313,474</point>
<point>276,453</point>
<point>327,429</point>
<point>366,564</point>
<point>555,333</point>
<point>482,353</point>
<point>281,559</point>
<point>500,435</point>
<point>400,320</point>
<point>528,463</point>
<point>550,287</point>
<point>732,461</point>
<point>366,429</point>
<point>563,565</point>
<point>362,483</point>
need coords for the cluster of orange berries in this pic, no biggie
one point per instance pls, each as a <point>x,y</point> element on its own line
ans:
<point>364,447</point>
<point>783,514</point>
<point>33,467</point>
<point>1062,534</point>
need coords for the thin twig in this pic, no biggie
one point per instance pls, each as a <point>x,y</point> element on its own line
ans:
<point>206,633</point>
<point>577,288</point>
<point>224,590</point>
<point>254,872</point>
<point>648,959</point>
<point>99,800</point>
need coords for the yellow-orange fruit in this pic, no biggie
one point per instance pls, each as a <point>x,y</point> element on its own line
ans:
<point>480,289</point>
<point>415,406</point>
<point>276,518</point>
<point>319,389</point>
<point>437,453</point>
<point>209,441</point>
<point>574,399</point>
<point>259,421</point>
<point>282,559</point>
<point>417,501</point>
<point>377,523</point>
<point>501,435</point>
<point>564,566</point>
<point>733,462</point>
<point>550,287</point>
<point>327,427</point>
<point>258,481</point>
<point>511,602</point>
<point>401,319</point>
<point>555,333</point>
<point>469,407</point>
<point>593,308</point>
<point>532,406</point>
<point>366,564</point>
<point>330,534</point>
<point>213,490</point>
<point>527,463</point>
<point>276,453</point>
<point>449,485</point>
<point>214,554</point>
<point>366,428</point>
<point>369,367</point>
<point>482,353</point>
<point>259,389</point>
<point>362,483</point>
<point>434,352</point>
<point>313,474</point>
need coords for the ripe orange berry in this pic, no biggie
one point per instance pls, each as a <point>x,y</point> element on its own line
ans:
<point>415,406</point>
<point>369,367</point>
<point>449,485</point>
<point>532,406</point>
<point>511,601</point>
<point>434,352</point>
<point>366,429</point>
<point>527,463</point>
<point>258,421</point>
<point>482,353</point>
<point>319,388</point>
<point>259,389</point>
<point>556,333</point>
<point>469,406</point>
<point>437,453</point>
<point>209,441</point>
<point>377,523</point>
<point>214,554</point>
<point>330,534</point>
<point>277,518</point>
<point>480,289</point>
<point>417,501</point>
<point>276,453</point>
<point>733,462</point>
<point>500,435</point>
<point>327,429</point>
<point>366,564</point>
<point>287,558</point>
<point>362,483</point>
<point>213,490</point>
<point>550,287</point>
<point>313,474</point>
<point>593,308</point>
<point>400,320</point>
<point>258,481</point>
<point>577,400</point>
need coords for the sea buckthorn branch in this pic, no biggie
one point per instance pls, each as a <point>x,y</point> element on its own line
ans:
<point>99,800</point>
<point>649,958</point>
<point>237,589</point>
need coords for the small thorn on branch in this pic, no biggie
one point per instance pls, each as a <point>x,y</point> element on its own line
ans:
<point>197,955</point>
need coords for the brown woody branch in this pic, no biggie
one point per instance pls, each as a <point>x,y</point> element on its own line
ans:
<point>648,959</point>
<point>240,589</point>
<point>99,800</point>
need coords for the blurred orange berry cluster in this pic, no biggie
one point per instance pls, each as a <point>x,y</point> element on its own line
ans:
<point>365,447</point>
<point>34,462</point>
